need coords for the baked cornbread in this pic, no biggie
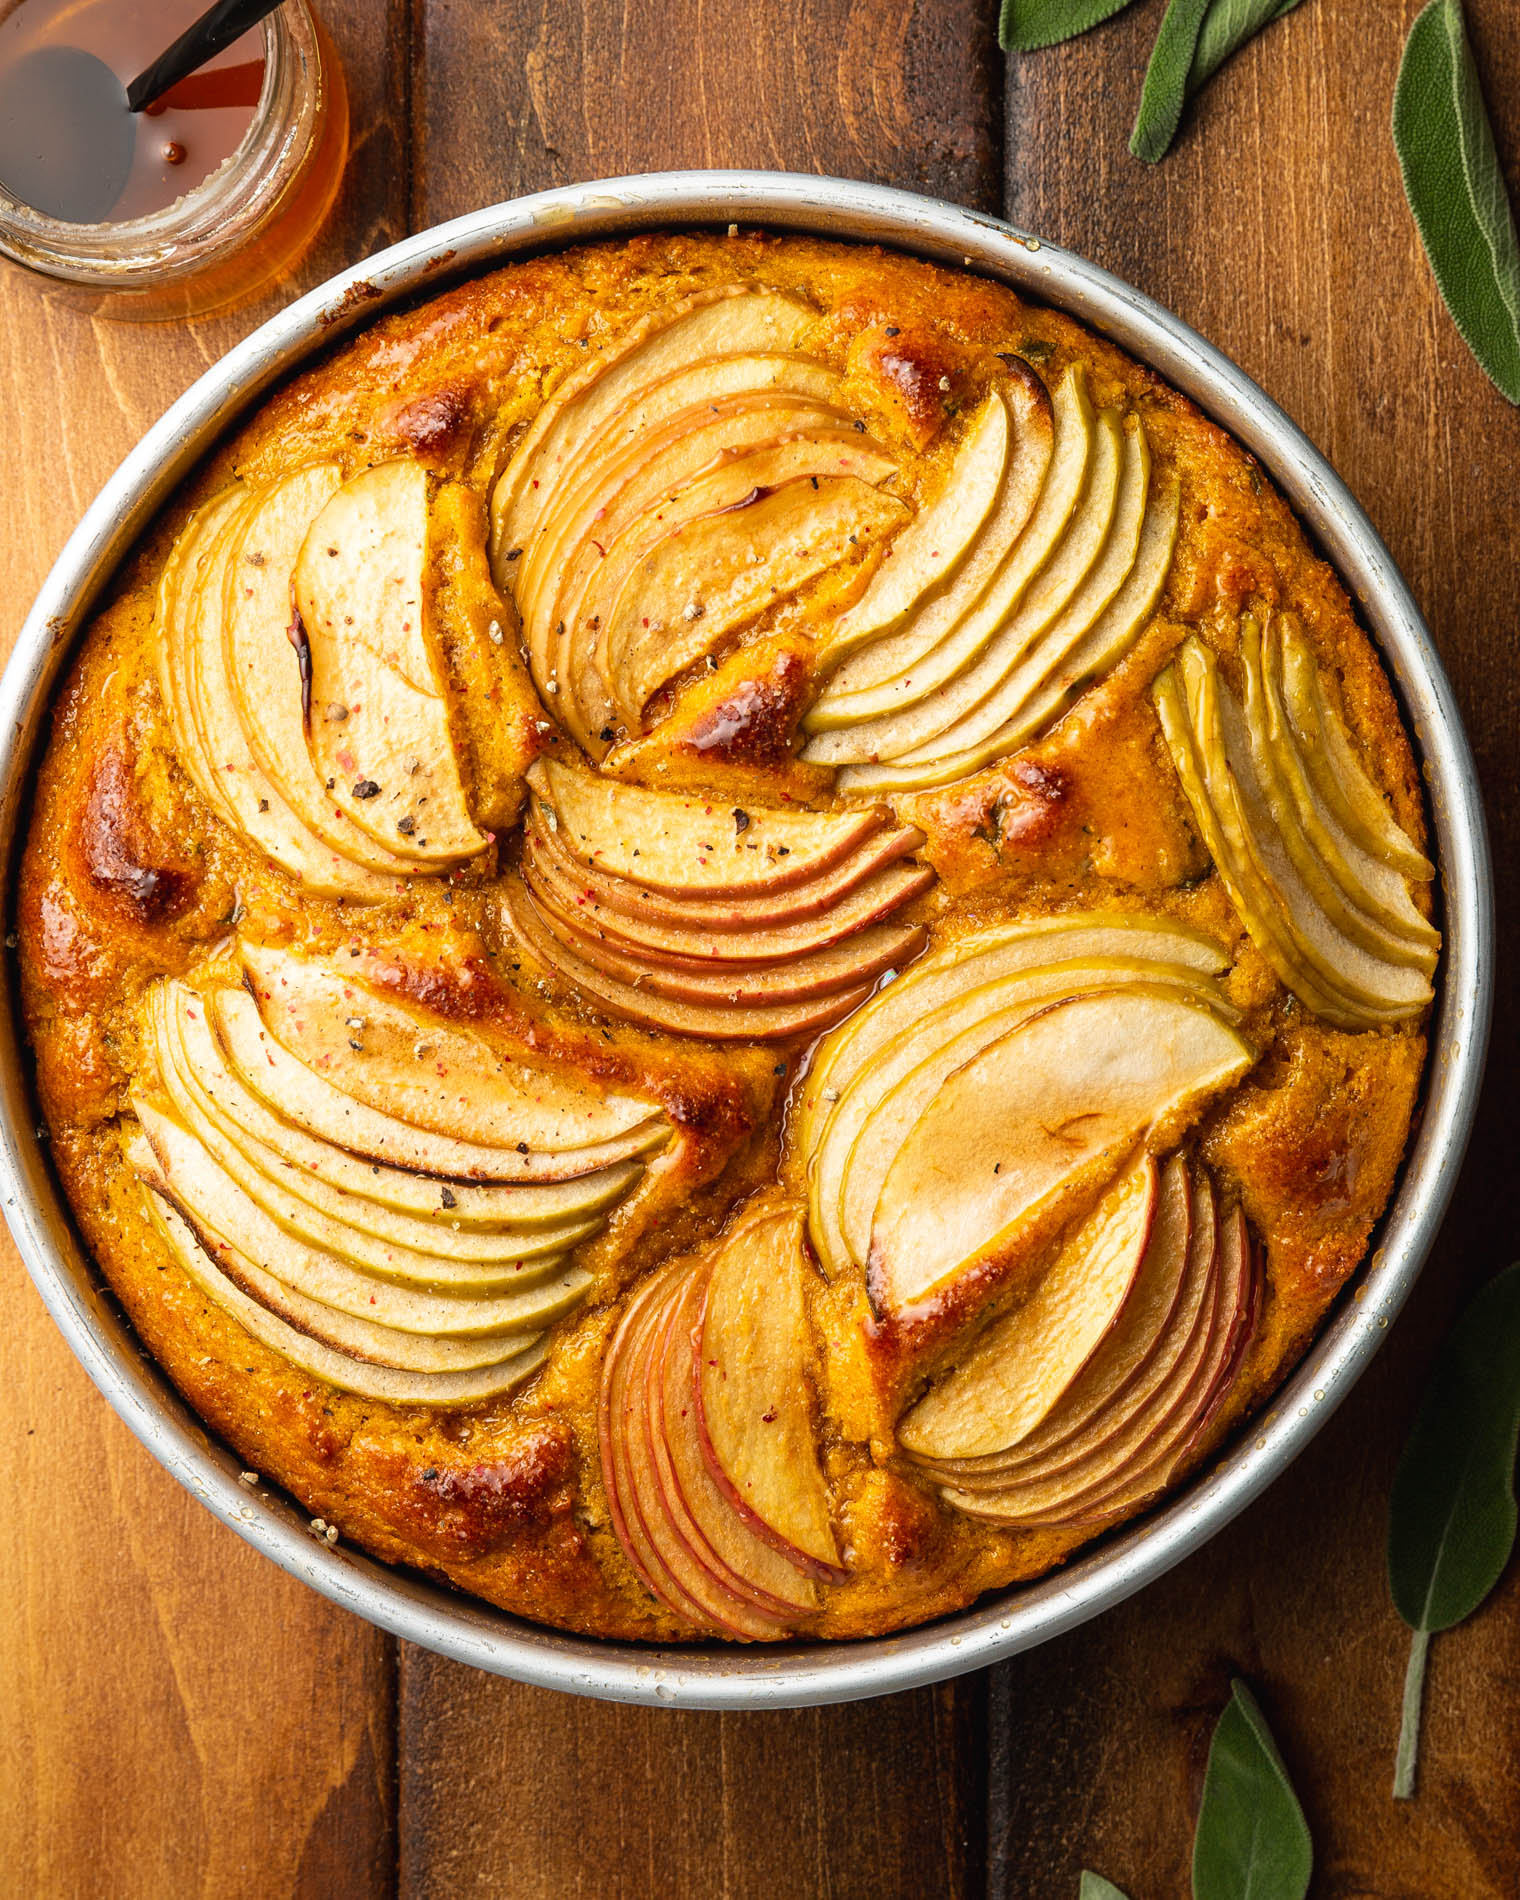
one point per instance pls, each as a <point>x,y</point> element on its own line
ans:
<point>727,937</point>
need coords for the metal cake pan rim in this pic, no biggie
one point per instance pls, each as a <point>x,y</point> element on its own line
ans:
<point>791,1675</point>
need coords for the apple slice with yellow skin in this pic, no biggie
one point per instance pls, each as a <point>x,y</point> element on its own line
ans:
<point>447,1080</point>
<point>520,1210</point>
<point>576,900</point>
<point>730,321</point>
<point>1147,1392</point>
<point>1330,759</point>
<point>379,727</point>
<point>944,688</point>
<point>288,1087</point>
<point>478,1259</point>
<point>387,1385</point>
<point>1361,894</point>
<point>686,846</point>
<point>926,555</point>
<point>695,588</point>
<point>739,913</point>
<point>754,1406</point>
<point>213,1202</point>
<point>863,663</point>
<point>741,1559</point>
<point>619,481</point>
<point>712,1023</point>
<point>200,622</point>
<point>1066,1092</point>
<point>1026,1362</point>
<point>177,596</point>
<point>262,662</point>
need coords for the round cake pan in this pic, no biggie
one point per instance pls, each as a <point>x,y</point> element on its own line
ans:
<point>794,1674</point>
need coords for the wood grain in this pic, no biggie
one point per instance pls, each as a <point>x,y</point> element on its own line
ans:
<point>180,1717</point>
<point>1278,228</point>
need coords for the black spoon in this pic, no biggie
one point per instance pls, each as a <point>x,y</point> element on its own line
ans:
<point>66,122</point>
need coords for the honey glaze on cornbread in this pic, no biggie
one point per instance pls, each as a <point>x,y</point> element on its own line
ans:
<point>800,1095</point>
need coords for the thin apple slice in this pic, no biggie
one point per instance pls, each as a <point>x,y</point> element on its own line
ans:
<point>925,556</point>
<point>869,902</point>
<point>942,688</point>
<point>1031,472</point>
<point>178,594</point>
<point>1062,1096</point>
<point>1331,761</point>
<point>730,321</point>
<point>290,1089</point>
<point>1021,1368</point>
<point>262,662</point>
<point>740,1558</point>
<point>449,1081</point>
<point>717,1023</point>
<point>347,1374</point>
<point>669,842</point>
<point>696,588</point>
<point>750,1384</point>
<point>378,728</point>
<point>521,1209</point>
<point>214,1204</point>
<point>771,909</point>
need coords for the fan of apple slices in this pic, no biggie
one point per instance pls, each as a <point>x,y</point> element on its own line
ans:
<point>999,1081</point>
<point>379,1197</point>
<point>1069,548</point>
<point>1310,854</point>
<point>321,735</point>
<point>708,1445</point>
<point>1087,1399</point>
<point>707,919</point>
<point>682,481</point>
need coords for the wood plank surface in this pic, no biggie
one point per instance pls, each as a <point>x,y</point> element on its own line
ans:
<point>177,1717</point>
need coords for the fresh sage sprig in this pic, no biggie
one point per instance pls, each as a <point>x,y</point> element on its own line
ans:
<point>1452,1515</point>
<point>1455,189</point>
<point>1095,1887</point>
<point>1164,93</point>
<point>1227,26</point>
<point>1024,26</point>
<point>1252,1841</point>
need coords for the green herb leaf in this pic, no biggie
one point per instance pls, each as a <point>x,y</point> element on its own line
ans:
<point>1227,26</point>
<point>1166,79</point>
<point>1252,1841</point>
<point>1027,25</point>
<point>1452,1515</point>
<point>1095,1887</point>
<point>1455,189</point>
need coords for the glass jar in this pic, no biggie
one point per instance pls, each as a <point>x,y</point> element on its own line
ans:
<point>237,230</point>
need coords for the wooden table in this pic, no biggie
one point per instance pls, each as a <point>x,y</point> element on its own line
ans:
<point>177,1718</point>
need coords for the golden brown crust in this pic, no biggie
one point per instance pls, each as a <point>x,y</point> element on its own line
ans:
<point>127,875</point>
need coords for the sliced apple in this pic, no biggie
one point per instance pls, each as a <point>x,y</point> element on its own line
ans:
<point>750,1384</point>
<point>667,841</point>
<point>386,1384</point>
<point>1058,1099</point>
<point>214,1204</point>
<point>178,597</point>
<point>446,1080</point>
<point>729,321</point>
<point>1030,478</point>
<point>288,1087</point>
<point>378,728</point>
<point>1018,1372</point>
<point>698,586</point>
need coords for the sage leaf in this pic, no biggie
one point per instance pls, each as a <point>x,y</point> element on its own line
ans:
<point>1227,26</point>
<point>1252,1841</point>
<point>1455,189</point>
<point>1452,1514</point>
<point>1024,26</point>
<point>1164,93</point>
<point>1095,1887</point>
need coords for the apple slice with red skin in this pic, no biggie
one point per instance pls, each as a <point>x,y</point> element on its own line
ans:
<point>1020,1369</point>
<point>754,1407</point>
<point>762,910</point>
<point>728,1022</point>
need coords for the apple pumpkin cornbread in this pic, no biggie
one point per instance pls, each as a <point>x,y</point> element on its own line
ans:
<point>727,937</point>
